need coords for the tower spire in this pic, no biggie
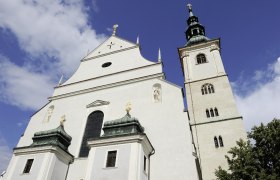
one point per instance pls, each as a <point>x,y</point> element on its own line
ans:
<point>195,32</point>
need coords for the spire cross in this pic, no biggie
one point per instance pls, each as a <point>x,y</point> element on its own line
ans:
<point>115,29</point>
<point>190,9</point>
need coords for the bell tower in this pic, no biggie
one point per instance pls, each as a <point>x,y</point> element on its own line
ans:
<point>215,122</point>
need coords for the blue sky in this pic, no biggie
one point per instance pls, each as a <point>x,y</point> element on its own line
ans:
<point>41,40</point>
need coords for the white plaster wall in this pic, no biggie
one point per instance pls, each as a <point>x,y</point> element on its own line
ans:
<point>213,67</point>
<point>110,79</point>
<point>228,124</point>
<point>165,123</point>
<point>59,170</point>
<point>77,170</point>
<point>125,60</point>
<point>119,172</point>
<point>222,99</point>
<point>46,166</point>
<point>212,157</point>
<point>142,173</point>
<point>19,163</point>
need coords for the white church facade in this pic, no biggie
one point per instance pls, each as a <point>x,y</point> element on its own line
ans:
<point>118,118</point>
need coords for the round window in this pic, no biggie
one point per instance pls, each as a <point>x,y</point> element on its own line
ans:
<point>107,64</point>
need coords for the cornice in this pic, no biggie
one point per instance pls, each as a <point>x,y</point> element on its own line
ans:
<point>27,150</point>
<point>110,53</point>
<point>214,77</point>
<point>217,121</point>
<point>200,45</point>
<point>108,75</point>
<point>126,139</point>
<point>107,86</point>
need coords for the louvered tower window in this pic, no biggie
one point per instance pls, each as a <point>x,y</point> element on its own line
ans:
<point>207,89</point>
<point>221,141</point>
<point>216,142</point>
<point>200,58</point>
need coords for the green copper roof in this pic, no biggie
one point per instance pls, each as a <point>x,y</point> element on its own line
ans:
<point>56,136</point>
<point>125,125</point>
<point>197,39</point>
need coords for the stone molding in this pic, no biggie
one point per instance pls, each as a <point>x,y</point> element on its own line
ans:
<point>136,138</point>
<point>107,75</point>
<point>66,157</point>
<point>216,121</point>
<point>109,53</point>
<point>120,83</point>
<point>214,77</point>
<point>97,103</point>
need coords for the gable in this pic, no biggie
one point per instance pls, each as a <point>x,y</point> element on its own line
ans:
<point>111,45</point>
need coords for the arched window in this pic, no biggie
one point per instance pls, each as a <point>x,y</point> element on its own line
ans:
<point>216,112</point>
<point>200,58</point>
<point>216,142</point>
<point>211,112</point>
<point>207,113</point>
<point>221,141</point>
<point>207,89</point>
<point>92,130</point>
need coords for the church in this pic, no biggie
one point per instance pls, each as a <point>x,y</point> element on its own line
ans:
<point>117,117</point>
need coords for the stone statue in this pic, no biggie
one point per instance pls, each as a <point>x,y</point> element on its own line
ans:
<point>157,94</point>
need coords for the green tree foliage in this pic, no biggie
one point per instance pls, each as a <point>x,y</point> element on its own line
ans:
<point>256,160</point>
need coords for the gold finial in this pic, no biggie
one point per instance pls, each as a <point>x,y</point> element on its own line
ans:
<point>128,107</point>
<point>115,29</point>
<point>62,120</point>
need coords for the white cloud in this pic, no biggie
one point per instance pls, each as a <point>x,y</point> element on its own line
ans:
<point>261,100</point>
<point>23,87</point>
<point>55,35</point>
<point>6,154</point>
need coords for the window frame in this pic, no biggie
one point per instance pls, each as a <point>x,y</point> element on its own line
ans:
<point>107,156</point>
<point>207,113</point>
<point>207,88</point>
<point>28,166</point>
<point>221,142</point>
<point>201,58</point>
<point>212,112</point>
<point>146,164</point>
<point>216,111</point>
<point>216,142</point>
<point>88,133</point>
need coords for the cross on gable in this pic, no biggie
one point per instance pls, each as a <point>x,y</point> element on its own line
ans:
<point>189,6</point>
<point>110,45</point>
